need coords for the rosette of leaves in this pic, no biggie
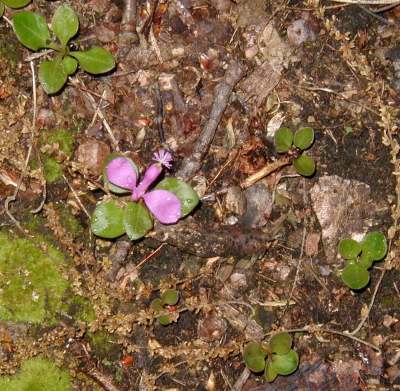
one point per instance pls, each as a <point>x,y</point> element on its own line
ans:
<point>168,201</point>
<point>165,305</point>
<point>273,359</point>
<point>12,4</point>
<point>32,31</point>
<point>360,256</point>
<point>286,141</point>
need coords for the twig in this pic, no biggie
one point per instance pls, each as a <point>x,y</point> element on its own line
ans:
<point>226,164</point>
<point>160,114</point>
<point>239,383</point>
<point>151,255</point>
<point>268,169</point>
<point>13,197</point>
<point>128,22</point>
<point>223,91</point>
<point>100,378</point>
<point>78,200</point>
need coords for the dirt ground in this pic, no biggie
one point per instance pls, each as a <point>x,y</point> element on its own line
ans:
<point>256,256</point>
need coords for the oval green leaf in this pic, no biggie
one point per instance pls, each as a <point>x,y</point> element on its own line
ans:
<point>164,320</point>
<point>355,276</point>
<point>69,64</point>
<point>283,140</point>
<point>65,23</point>
<point>156,305</point>
<point>374,246</point>
<point>15,3</point>
<point>304,138</point>
<point>31,30</point>
<point>95,60</point>
<point>365,261</point>
<point>270,374</point>
<point>137,220</point>
<point>254,357</point>
<point>52,75</point>
<point>170,297</point>
<point>188,197</point>
<point>304,165</point>
<point>285,364</point>
<point>113,188</point>
<point>108,220</point>
<point>281,343</point>
<point>349,248</point>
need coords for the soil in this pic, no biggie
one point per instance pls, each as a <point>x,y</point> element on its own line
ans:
<point>250,260</point>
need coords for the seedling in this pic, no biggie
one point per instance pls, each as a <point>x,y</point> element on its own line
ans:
<point>286,141</point>
<point>12,4</point>
<point>32,31</point>
<point>360,257</point>
<point>275,358</point>
<point>171,200</point>
<point>165,305</point>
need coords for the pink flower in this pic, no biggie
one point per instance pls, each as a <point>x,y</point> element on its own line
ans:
<point>163,204</point>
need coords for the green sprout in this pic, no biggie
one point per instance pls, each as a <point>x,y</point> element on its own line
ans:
<point>360,257</point>
<point>164,307</point>
<point>32,31</point>
<point>12,4</point>
<point>286,141</point>
<point>275,358</point>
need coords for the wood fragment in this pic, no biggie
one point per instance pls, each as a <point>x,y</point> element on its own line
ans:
<point>223,92</point>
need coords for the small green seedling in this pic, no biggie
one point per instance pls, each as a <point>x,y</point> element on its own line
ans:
<point>275,358</point>
<point>12,4</point>
<point>286,141</point>
<point>32,31</point>
<point>164,307</point>
<point>360,257</point>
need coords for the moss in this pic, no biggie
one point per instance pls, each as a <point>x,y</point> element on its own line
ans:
<point>104,345</point>
<point>69,221</point>
<point>52,170</point>
<point>31,284</point>
<point>63,137</point>
<point>37,374</point>
<point>80,308</point>
<point>9,49</point>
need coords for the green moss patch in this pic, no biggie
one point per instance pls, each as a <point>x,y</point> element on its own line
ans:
<point>31,284</point>
<point>37,374</point>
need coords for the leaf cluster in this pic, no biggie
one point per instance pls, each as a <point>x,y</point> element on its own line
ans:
<point>166,303</point>
<point>285,141</point>
<point>360,256</point>
<point>113,218</point>
<point>32,31</point>
<point>273,359</point>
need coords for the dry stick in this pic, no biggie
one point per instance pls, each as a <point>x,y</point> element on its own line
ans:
<point>223,91</point>
<point>78,200</point>
<point>12,198</point>
<point>129,16</point>
<point>268,169</point>
<point>100,378</point>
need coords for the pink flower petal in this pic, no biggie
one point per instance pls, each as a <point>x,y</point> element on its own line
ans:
<point>121,173</point>
<point>164,205</point>
<point>164,158</point>
<point>149,177</point>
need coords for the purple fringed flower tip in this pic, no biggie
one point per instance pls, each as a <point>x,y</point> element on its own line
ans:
<point>163,157</point>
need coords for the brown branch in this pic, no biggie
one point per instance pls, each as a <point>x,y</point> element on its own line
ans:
<point>223,92</point>
<point>128,22</point>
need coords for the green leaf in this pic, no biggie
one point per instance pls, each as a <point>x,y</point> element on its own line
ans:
<point>374,246</point>
<point>2,9</point>
<point>156,305</point>
<point>355,276</point>
<point>69,64</point>
<point>170,297</point>
<point>108,220</point>
<point>270,374</point>
<point>95,60</point>
<point>65,23</point>
<point>285,364</point>
<point>349,248</point>
<point>164,320</point>
<point>31,30</point>
<point>283,140</point>
<point>52,75</point>
<point>254,357</point>
<point>304,138</point>
<point>15,3</point>
<point>365,261</point>
<point>137,220</point>
<point>281,343</point>
<point>188,197</point>
<point>113,188</point>
<point>304,165</point>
